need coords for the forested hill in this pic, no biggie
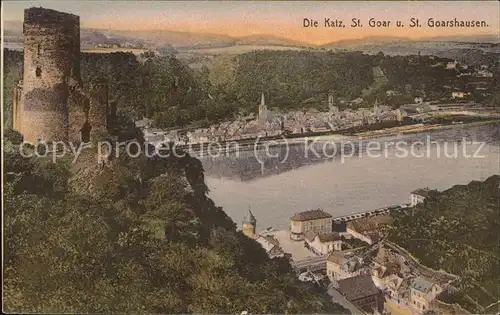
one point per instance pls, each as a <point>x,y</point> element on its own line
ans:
<point>294,78</point>
<point>167,89</point>
<point>138,236</point>
<point>458,232</point>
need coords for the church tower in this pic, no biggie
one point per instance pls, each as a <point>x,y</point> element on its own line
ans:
<point>332,109</point>
<point>330,101</point>
<point>249,224</point>
<point>376,110</point>
<point>262,108</point>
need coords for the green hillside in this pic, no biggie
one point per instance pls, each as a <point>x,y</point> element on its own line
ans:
<point>139,236</point>
<point>458,233</point>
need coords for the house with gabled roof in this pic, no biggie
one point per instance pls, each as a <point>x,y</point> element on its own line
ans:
<point>345,264</point>
<point>368,229</point>
<point>422,293</point>
<point>323,243</point>
<point>362,292</point>
<point>270,244</point>
<point>420,195</point>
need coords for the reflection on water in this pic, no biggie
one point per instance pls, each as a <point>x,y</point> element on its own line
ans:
<point>276,187</point>
<point>250,164</point>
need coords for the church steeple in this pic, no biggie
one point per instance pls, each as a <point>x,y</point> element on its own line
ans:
<point>262,108</point>
<point>249,217</point>
<point>376,110</point>
<point>249,224</point>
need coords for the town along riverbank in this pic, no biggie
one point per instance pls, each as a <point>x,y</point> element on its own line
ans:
<point>419,128</point>
<point>417,124</point>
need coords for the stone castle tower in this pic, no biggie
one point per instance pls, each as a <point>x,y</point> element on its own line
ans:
<point>50,104</point>
<point>249,224</point>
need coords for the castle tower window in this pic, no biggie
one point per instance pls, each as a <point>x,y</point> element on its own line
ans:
<point>38,72</point>
<point>39,49</point>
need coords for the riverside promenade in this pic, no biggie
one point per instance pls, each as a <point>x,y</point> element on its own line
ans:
<point>370,213</point>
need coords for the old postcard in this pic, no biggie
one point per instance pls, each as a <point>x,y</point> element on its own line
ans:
<point>251,157</point>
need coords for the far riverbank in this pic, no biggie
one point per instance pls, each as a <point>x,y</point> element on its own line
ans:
<point>394,131</point>
<point>411,129</point>
<point>199,149</point>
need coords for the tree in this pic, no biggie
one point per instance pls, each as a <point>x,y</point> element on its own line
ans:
<point>148,54</point>
<point>13,136</point>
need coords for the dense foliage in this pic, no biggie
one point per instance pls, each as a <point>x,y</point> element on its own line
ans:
<point>168,90</point>
<point>12,73</point>
<point>144,239</point>
<point>298,79</point>
<point>458,232</point>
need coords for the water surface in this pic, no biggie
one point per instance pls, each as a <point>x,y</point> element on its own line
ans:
<point>277,187</point>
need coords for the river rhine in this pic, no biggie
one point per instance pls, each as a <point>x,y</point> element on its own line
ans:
<point>293,179</point>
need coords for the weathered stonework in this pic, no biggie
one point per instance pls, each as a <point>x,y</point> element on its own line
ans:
<point>98,111</point>
<point>16,105</point>
<point>51,105</point>
<point>49,61</point>
<point>78,108</point>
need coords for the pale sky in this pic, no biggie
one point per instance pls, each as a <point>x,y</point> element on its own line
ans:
<point>273,18</point>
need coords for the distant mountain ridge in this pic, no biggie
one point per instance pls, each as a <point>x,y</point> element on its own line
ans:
<point>193,40</point>
<point>263,39</point>
<point>154,38</point>
<point>378,40</point>
<point>372,40</point>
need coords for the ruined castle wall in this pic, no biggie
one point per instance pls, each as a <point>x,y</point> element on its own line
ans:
<point>15,108</point>
<point>111,114</point>
<point>51,66</point>
<point>88,113</point>
<point>19,106</point>
<point>98,111</point>
<point>78,109</point>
